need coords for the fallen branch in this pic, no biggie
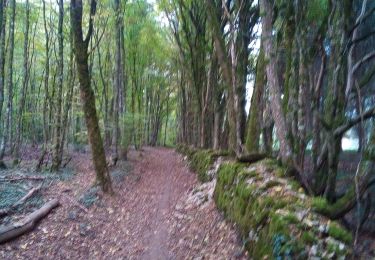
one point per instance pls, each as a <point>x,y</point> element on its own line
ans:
<point>251,158</point>
<point>5,212</point>
<point>27,224</point>
<point>27,196</point>
<point>67,162</point>
<point>19,178</point>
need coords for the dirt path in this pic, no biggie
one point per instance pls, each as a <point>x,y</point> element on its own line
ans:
<point>149,217</point>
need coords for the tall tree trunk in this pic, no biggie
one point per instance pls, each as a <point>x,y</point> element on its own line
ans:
<point>46,92</point>
<point>118,79</point>
<point>9,120</point>
<point>226,70</point>
<point>273,82</point>
<point>69,97</point>
<point>2,60</point>
<point>256,109</point>
<point>25,82</point>
<point>207,111</point>
<point>57,155</point>
<point>87,94</point>
<point>166,121</point>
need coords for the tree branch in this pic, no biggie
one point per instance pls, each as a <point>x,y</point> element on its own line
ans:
<point>91,22</point>
<point>342,129</point>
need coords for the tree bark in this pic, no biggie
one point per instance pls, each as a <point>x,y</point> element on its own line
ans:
<point>87,94</point>
<point>255,114</point>
<point>57,155</point>
<point>9,120</point>
<point>273,82</point>
<point>2,76</point>
<point>25,82</point>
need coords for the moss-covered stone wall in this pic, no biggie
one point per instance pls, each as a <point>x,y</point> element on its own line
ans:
<point>274,216</point>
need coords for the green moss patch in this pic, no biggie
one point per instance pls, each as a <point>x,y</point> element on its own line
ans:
<point>339,233</point>
<point>201,160</point>
<point>274,217</point>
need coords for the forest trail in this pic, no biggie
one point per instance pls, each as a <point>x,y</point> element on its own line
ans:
<point>151,216</point>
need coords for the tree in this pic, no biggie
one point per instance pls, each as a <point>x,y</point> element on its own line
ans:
<point>57,151</point>
<point>7,135</point>
<point>87,95</point>
<point>25,82</point>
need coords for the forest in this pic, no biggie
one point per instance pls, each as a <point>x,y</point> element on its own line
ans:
<point>108,107</point>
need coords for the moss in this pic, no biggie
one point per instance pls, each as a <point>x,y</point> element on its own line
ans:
<point>267,233</point>
<point>339,233</point>
<point>291,218</point>
<point>246,174</point>
<point>308,237</point>
<point>270,184</point>
<point>201,162</point>
<point>319,204</point>
<point>295,185</point>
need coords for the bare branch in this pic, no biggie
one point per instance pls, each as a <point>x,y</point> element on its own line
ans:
<point>366,115</point>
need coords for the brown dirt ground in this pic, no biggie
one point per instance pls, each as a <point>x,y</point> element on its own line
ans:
<point>143,220</point>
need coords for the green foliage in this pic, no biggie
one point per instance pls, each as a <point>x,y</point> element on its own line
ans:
<point>309,237</point>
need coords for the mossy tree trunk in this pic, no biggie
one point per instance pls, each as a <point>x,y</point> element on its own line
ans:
<point>87,94</point>
<point>57,152</point>
<point>256,110</point>
<point>46,90</point>
<point>266,10</point>
<point>25,82</point>
<point>7,133</point>
<point>2,59</point>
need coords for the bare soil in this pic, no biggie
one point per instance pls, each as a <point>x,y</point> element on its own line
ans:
<point>149,216</point>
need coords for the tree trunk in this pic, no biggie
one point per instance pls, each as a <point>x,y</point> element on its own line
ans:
<point>87,94</point>
<point>57,156</point>
<point>256,110</point>
<point>25,82</point>
<point>46,92</point>
<point>9,120</point>
<point>273,82</point>
<point>2,58</point>
<point>226,70</point>
<point>2,73</point>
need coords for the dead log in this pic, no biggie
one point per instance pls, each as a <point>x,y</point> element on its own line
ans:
<point>27,224</point>
<point>251,158</point>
